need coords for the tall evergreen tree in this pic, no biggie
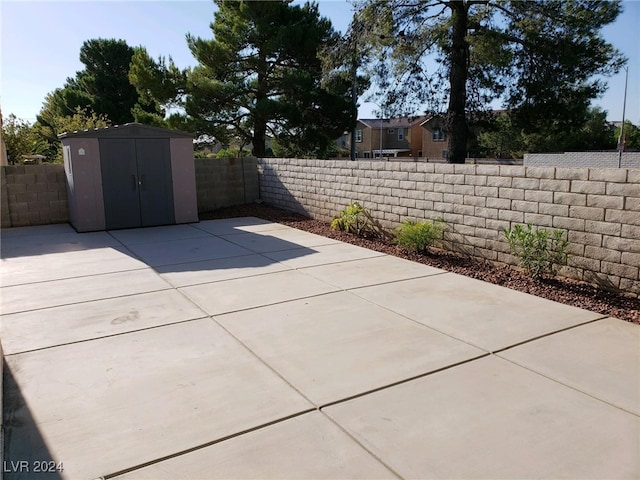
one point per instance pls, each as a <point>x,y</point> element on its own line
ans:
<point>161,85</point>
<point>103,86</point>
<point>99,95</point>
<point>105,78</point>
<point>261,75</point>
<point>539,56</point>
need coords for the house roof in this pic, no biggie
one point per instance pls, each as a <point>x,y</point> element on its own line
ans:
<point>428,119</point>
<point>128,130</point>
<point>401,122</point>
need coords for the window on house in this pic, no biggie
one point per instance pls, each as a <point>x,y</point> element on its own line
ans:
<point>445,153</point>
<point>401,134</point>
<point>359,135</point>
<point>437,134</point>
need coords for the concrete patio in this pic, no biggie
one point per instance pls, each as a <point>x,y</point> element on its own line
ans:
<point>241,348</point>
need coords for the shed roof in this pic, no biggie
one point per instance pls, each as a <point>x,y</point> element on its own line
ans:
<point>128,130</point>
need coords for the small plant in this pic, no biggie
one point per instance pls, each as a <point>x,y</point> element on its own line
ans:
<point>539,251</point>
<point>418,236</point>
<point>351,219</point>
<point>357,220</point>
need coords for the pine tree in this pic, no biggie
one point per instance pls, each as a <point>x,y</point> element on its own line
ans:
<point>261,76</point>
<point>539,56</point>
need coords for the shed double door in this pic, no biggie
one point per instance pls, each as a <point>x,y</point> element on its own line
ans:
<point>137,182</point>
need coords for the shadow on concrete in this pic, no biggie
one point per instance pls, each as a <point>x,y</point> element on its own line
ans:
<point>26,245</point>
<point>20,242</point>
<point>26,455</point>
<point>24,446</point>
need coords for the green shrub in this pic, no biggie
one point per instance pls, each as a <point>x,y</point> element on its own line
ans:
<point>357,220</point>
<point>418,236</point>
<point>232,153</point>
<point>539,251</point>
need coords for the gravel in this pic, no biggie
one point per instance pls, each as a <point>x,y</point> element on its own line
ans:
<point>563,290</point>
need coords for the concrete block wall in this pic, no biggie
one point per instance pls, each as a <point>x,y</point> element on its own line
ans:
<point>33,195</point>
<point>37,194</point>
<point>225,182</point>
<point>600,208</point>
<point>582,159</point>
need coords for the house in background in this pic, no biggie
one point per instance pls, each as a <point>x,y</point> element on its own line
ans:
<point>408,137</point>
<point>434,140</point>
<point>386,137</point>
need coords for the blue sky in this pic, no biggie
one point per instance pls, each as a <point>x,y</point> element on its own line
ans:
<point>41,40</point>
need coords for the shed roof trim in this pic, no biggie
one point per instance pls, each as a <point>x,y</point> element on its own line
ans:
<point>127,130</point>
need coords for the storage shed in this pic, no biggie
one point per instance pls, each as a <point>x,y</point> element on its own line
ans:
<point>129,176</point>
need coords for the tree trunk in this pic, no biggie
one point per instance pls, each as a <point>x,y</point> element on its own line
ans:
<point>260,116</point>
<point>458,57</point>
<point>259,136</point>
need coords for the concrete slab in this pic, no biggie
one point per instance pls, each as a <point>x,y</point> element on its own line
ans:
<point>304,447</point>
<point>276,240</point>
<point>83,321</point>
<point>216,270</point>
<point>186,250</point>
<point>110,404</point>
<point>492,419</point>
<point>250,292</point>
<point>601,359</point>
<point>157,234</point>
<point>56,266</point>
<point>149,388</point>
<point>230,226</point>
<point>488,316</point>
<point>322,255</point>
<point>22,298</point>
<point>336,346</point>
<point>29,245</point>
<point>370,271</point>
<point>36,230</point>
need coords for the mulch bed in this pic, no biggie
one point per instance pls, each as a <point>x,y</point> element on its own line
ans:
<point>558,289</point>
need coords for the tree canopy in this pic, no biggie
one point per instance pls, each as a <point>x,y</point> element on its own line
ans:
<point>102,86</point>
<point>20,139</point>
<point>539,57</point>
<point>261,75</point>
<point>99,95</point>
<point>161,85</point>
<point>80,119</point>
<point>502,137</point>
<point>631,136</point>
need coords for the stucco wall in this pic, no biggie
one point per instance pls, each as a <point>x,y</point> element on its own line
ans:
<point>600,208</point>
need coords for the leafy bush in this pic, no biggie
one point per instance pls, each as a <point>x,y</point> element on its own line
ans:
<point>539,251</point>
<point>232,153</point>
<point>357,220</point>
<point>418,236</point>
